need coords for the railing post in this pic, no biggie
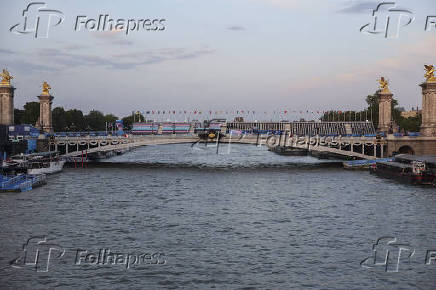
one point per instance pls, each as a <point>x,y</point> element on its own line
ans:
<point>374,145</point>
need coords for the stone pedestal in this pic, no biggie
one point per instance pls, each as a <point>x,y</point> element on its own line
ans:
<point>428,126</point>
<point>6,104</point>
<point>45,118</point>
<point>384,111</point>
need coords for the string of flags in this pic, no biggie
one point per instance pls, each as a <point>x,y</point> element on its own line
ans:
<point>233,112</point>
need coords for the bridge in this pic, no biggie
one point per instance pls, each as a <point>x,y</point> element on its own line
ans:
<point>350,145</point>
<point>78,146</point>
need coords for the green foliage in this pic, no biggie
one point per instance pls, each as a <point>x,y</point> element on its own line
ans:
<point>31,113</point>
<point>95,121</point>
<point>72,120</point>
<point>411,124</point>
<point>59,119</point>
<point>110,118</point>
<point>75,121</point>
<point>129,120</point>
<point>18,116</point>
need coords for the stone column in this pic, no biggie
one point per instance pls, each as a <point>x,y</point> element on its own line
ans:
<point>45,117</point>
<point>428,126</point>
<point>384,110</point>
<point>6,104</point>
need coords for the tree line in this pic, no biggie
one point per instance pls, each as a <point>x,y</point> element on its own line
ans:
<point>70,120</point>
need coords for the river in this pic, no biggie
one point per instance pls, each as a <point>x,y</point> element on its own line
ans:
<point>177,216</point>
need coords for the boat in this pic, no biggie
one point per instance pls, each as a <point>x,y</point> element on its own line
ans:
<point>39,163</point>
<point>364,164</point>
<point>44,166</point>
<point>288,151</point>
<point>420,170</point>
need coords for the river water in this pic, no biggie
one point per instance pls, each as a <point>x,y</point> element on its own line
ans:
<point>177,216</point>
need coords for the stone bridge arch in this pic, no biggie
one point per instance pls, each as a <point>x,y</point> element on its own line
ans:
<point>406,149</point>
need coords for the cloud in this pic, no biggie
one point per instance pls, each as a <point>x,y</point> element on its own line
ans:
<point>112,37</point>
<point>53,59</point>
<point>6,51</point>
<point>236,28</point>
<point>27,67</point>
<point>354,7</point>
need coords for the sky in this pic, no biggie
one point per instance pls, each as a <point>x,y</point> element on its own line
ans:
<point>219,55</point>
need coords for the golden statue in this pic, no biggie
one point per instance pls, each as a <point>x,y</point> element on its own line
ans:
<point>429,74</point>
<point>384,85</point>
<point>46,89</point>
<point>6,77</point>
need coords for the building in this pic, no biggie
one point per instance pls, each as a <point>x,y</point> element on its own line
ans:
<point>411,114</point>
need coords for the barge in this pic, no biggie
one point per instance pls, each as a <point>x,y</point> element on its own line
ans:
<point>420,170</point>
<point>289,151</point>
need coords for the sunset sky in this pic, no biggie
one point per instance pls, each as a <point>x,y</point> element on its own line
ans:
<point>223,55</point>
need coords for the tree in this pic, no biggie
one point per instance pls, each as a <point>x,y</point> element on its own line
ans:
<point>18,116</point>
<point>75,121</point>
<point>411,124</point>
<point>95,120</point>
<point>59,118</point>
<point>31,113</point>
<point>129,120</point>
<point>110,118</point>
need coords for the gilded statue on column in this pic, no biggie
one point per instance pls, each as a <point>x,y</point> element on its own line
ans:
<point>6,77</point>
<point>384,85</point>
<point>46,89</point>
<point>429,73</point>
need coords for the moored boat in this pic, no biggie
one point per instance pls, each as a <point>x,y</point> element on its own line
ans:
<point>289,151</point>
<point>45,166</point>
<point>408,168</point>
<point>364,164</point>
<point>40,163</point>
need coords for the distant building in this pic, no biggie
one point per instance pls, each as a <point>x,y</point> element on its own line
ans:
<point>411,114</point>
<point>239,119</point>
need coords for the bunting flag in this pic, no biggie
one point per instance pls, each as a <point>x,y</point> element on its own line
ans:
<point>251,114</point>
